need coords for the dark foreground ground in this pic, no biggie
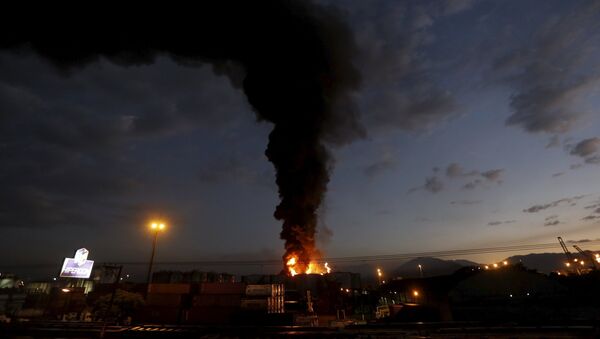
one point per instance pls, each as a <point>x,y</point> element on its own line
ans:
<point>413,330</point>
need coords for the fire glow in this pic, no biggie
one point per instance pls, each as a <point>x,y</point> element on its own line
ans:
<point>295,267</point>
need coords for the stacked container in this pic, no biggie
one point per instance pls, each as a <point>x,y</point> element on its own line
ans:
<point>267,298</point>
<point>216,303</point>
<point>164,302</point>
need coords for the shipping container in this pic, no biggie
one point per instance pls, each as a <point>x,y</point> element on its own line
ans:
<point>169,288</point>
<point>255,304</point>
<point>267,305</point>
<point>265,290</point>
<point>163,299</point>
<point>217,300</point>
<point>222,288</point>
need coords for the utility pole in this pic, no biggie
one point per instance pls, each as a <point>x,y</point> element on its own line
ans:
<point>119,269</point>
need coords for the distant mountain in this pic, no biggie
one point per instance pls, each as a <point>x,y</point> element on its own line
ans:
<point>407,269</point>
<point>466,263</point>
<point>430,267</point>
<point>542,262</point>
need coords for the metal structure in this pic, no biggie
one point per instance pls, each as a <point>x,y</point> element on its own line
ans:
<point>588,257</point>
<point>570,260</point>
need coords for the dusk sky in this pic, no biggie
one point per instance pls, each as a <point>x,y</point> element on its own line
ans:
<point>479,127</point>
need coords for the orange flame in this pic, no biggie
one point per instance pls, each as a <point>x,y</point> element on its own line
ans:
<point>294,267</point>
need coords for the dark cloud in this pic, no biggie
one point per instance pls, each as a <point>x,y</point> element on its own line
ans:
<point>496,223</point>
<point>580,241</point>
<point>433,184</point>
<point>454,170</point>
<point>586,148</point>
<point>493,175</point>
<point>591,217</point>
<point>537,208</point>
<point>472,184</point>
<point>552,223</point>
<point>558,174</point>
<point>549,72</point>
<point>576,166</point>
<point>593,160</point>
<point>67,143</point>
<point>402,88</point>
<point>235,168</point>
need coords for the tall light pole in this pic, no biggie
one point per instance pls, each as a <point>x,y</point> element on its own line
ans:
<point>421,270</point>
<point>155,227</point>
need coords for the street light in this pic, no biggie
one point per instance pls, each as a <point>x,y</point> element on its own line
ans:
<point>379,275</point>
<point>421,270</point>
<point>156,227</point>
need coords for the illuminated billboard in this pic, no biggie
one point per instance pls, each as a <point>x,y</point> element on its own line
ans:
<point>78,267</point>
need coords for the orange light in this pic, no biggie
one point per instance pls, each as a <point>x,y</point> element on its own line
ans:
<point>495,265</point>
<point>158,226</point>
<point>505,262</point>
<point>416,293</point>
<point>66,290</point>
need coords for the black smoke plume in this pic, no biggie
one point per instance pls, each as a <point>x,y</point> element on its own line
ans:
<point>296,62</point>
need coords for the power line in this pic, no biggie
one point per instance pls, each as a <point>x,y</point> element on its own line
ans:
<point>348,259</point>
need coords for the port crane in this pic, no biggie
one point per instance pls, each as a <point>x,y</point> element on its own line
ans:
<point>570,259</point>
<point>587,257</point>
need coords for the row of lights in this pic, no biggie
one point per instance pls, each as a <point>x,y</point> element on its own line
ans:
<point>414,293</point>
<point>496,265</point>
<point>581,262</point>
